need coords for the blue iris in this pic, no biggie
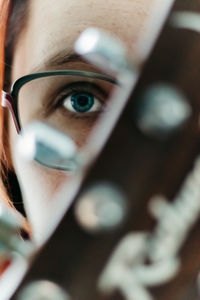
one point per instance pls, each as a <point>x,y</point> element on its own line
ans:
<point>82,101</point>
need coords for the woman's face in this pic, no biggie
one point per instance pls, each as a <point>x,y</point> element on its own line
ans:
<point>52,28</point>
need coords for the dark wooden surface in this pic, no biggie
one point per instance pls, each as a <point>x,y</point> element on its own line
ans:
<point>141,167</point>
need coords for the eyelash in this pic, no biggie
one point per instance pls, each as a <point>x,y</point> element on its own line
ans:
<point>97,92</point>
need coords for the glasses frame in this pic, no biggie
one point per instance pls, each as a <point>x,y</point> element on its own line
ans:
<point>10,99</point>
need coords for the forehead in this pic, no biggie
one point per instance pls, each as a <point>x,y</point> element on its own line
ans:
<point>55,25</point>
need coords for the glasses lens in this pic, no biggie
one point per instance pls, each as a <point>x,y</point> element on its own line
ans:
<point>69,103</point>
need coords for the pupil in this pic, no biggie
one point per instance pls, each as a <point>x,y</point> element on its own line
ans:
<point>82,102</point>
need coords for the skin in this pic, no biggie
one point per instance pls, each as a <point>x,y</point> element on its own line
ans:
<point>54,26</point>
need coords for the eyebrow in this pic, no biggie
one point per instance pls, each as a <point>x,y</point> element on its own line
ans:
<point>60,59</point>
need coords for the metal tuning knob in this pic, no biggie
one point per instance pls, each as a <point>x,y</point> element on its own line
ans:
<point>49,147</point>
<point>161,111</point>
<point>103,50</point>
<point>101,208</point>
<point>43,290</point>
<point>11,241</point>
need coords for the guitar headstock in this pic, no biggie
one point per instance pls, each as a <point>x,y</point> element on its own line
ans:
<point>132,230</point>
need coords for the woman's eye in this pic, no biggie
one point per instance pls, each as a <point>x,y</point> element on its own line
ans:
<point>82,102</point>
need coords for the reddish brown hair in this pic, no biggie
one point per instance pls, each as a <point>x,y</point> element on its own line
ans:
<point>4,11</point>
<point>12,18</point>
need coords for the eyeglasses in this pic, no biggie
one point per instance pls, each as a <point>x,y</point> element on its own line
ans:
<point>69,100</point>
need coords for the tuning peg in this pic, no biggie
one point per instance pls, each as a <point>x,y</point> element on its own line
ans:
<point>103,207</point>
<point>49,147</point>
<point>10,239</point>
<point>43,290</point>
<point>161,111</point>
<point>103,50</point>
<point>186,20</point>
